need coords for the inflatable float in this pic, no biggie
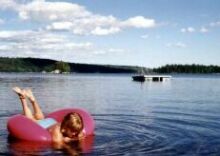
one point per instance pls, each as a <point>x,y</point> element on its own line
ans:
<point>23,128</point>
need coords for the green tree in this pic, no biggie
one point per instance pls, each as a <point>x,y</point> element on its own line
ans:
<point>62,66</point>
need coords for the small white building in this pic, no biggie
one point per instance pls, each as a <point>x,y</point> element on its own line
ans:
<point>56,71</point>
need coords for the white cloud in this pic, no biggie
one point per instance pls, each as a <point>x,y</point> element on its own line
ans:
<point>39,44</point>
<point>99,52</point>
<point>52,11</point>
<point>183,30</point>
<point>113,50</point>
<point>93,25</point>
<point>204,30</point>
<point>103,25</point>
<point>60,26</point>
<point>102,31</point>
<point>177,45</point>
<point>139,22</point>
<point>80,46</point>
<point>145,36</point>
<point>4,47</point>
<point>191,29</point>
<point>8,4</point>
<point>74,18</point>
<point>43,44</point>
<point>2,21</point>
<point>14,35</point>
<point>109,51</point>
<point>215,24</point>
<point>188,30</point>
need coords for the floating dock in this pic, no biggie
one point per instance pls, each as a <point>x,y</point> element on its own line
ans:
<point>158,78</point>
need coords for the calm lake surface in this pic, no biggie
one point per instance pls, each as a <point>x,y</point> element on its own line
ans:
<point>176,117</point>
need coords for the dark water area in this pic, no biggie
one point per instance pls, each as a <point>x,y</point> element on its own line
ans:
<point>176,117</point>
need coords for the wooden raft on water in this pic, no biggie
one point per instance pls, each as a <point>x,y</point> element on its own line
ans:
<point>158,78</point>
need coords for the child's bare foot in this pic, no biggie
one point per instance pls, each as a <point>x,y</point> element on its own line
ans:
<point>21,93</point>
<point>30,95</point>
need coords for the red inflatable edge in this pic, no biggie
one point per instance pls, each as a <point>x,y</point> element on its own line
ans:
<point>23,128</point>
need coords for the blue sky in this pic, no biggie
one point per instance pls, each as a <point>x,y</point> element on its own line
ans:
<point>147,33</point>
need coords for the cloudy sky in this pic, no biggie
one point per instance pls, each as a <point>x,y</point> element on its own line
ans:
<point>147,33</point>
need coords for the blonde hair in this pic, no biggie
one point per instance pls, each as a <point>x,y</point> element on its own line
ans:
<point>72,121</point>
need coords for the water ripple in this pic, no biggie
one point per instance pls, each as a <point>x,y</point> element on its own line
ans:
<point>159,134</point>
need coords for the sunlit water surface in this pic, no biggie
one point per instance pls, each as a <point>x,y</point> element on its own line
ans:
<point>176,117</point>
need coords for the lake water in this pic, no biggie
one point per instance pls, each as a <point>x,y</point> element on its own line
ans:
<point>176,117</point>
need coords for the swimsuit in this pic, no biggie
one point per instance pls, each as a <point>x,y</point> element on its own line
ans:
<point>47,122</point>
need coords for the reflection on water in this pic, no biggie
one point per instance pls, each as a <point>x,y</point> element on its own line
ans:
<point>176,117</point>
<point>19,147</point>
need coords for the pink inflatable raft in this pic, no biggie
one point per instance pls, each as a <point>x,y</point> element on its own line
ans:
<point>23,128</point>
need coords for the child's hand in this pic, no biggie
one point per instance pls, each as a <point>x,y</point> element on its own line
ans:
<point>67,139</point>
<point>81,136</point>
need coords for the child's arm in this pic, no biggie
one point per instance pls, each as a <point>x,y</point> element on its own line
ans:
<point>56,135</point>
<point>79,137</point>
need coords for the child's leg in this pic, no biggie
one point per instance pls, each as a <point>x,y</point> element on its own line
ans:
<point>26,110</point>
<point>38,114</point>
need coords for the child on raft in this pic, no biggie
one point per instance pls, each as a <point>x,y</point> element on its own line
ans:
<point>68,130</point>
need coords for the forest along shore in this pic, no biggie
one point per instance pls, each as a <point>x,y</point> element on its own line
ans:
<point>54,66</point>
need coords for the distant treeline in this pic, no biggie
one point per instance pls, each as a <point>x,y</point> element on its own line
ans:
<point>47,65</point>
<point>194,68</point>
